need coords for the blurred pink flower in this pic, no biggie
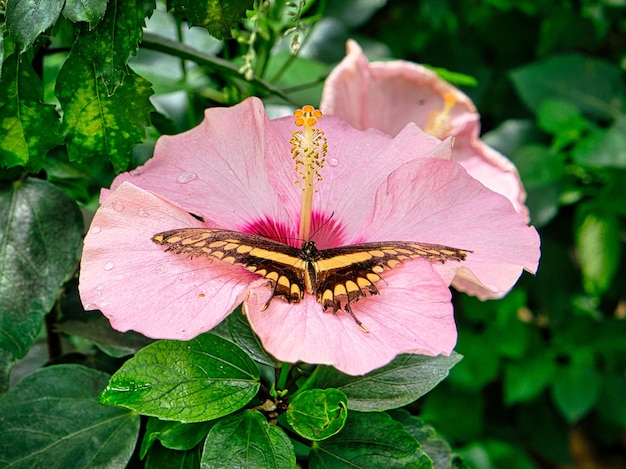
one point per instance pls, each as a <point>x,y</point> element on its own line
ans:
<point>389,95</point>
<point>235,171</point>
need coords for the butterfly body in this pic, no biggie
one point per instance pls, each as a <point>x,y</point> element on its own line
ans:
<point>337,276</point>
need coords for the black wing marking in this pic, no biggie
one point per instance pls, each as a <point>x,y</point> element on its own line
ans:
<point>351,271</point>
<point>279,263</point>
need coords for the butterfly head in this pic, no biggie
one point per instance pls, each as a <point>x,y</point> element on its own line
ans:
<point>310,251</point>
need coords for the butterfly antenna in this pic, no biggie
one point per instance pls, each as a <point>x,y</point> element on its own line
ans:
<point>323,224</point>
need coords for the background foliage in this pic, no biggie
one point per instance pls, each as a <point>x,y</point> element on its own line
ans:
<point>87,87</point>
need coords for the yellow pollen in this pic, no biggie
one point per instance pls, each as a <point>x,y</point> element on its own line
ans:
<point>308,148</point>
<point>438,122</point>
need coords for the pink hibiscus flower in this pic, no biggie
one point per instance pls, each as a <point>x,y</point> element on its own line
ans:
<point>389,95</point>
<point>235,171</point>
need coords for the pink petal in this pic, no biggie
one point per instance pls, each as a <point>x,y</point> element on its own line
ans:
<point>217,170</point>
<point>388,95</point>
<point>413,313</point>
<point>436,201</point>
<point>139,286</point>
<point>357,162</point>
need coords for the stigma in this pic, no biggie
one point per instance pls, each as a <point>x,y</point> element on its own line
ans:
<point>438,122</point>
<point>308,148</point>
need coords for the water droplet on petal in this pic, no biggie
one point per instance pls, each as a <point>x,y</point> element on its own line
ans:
<point>109,265</point>
<point>160,269</point>
<point>333,162</point>
<point>118,206</point>
<point>99,287</point>
<point>91,306</point>
<point>184,178</point>
<point>136,172</point>
<point>119,277</point>
<point>143,213</point>
<point>95,229</point>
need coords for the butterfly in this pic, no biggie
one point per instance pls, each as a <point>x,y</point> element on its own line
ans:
<point>337,277</point>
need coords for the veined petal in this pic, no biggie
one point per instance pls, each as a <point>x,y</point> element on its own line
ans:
<point>138,286</point>
<point>388,95</point>
<point>218,171</point>
<point>357,163</point>
<point>413,313</point>
<point>436,201</point>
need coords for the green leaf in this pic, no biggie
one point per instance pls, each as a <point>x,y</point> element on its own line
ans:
<point>89,11</point>
<point>399,383</point>
<point>437,449</point>
<point>612,405</point>
<point>542,172</point>
<point>236,328</point>
<point>556,116</point>
<point>455,413</point>
<point>599,249</point>
<point>163,458</point>
<point>173,435</point>
<point>52,419</point>
<point>40,234</point>
<point>370,440</point>
<point>218,16</point>
<point>454,78</point>
<point>538,166</point>
<point>27,19</point>
<point>480,364</point>
<point>202,379</point>
<point>592,85</point>
<point>97,328</point>
<point>576,386</point>
<point>28,128</point>
<point>318,414</point>
<point>96,124</point>
<point>603,147</point>
<point>106,47</point>
<point>563,120</point>
<point>247,440</point>
<point>496,454</point>
<point>526,379</point>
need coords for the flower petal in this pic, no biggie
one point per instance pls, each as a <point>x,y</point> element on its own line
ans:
<point>388,95</point>
<point>139,286</point>
<point>413,313</point>
<point>436,201</point>
<point>356,164</point>
<point>217,170</point>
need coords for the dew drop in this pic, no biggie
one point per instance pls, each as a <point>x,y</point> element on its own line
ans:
<point>109,265</point>
<point>99,287</point>
<point>118,206</point>
<point>95,229</point>
<point>184,178</point>
<point>136,172</point>
<point>143,213</point>
<point>160,269</point>
<point>91,306</point>
<point>333,162</point>
<point>119,277</point>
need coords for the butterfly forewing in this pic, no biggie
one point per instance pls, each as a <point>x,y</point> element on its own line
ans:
<point>277,262</point>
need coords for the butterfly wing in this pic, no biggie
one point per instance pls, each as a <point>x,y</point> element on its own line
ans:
<point>351,271</point>
<point>275,261</point>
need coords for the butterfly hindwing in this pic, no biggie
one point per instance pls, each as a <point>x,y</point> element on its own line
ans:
<point>277,262</point>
